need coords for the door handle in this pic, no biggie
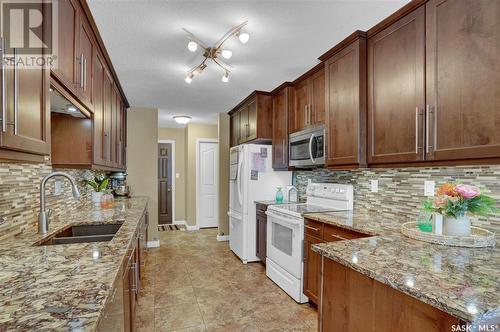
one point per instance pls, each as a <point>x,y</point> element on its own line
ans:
<point>84,74</point>
<point>416,130</point>
<point>305,114</point>
<point>310,149</point>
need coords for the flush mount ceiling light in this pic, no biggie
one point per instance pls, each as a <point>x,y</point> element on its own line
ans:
<point>182,119</point>
<point>215,52</point>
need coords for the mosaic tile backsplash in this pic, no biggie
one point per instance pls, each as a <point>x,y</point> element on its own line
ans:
<point>20,192</point>
<point>401,190</point>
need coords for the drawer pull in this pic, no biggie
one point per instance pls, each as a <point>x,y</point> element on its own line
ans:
<point>311,228</point>
<point>339,237</point>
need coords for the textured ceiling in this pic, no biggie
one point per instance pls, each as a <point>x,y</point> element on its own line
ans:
<point>148,47</point>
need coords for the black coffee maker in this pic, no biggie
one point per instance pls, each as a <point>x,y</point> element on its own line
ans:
<point>118,182</point>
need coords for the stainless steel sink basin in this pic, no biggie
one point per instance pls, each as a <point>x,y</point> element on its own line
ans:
<point>83,234</point>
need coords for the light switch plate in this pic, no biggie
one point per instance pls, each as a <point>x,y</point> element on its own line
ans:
<point>374,186</point>
<point>429,188</point>
<point>57,188</point>
<point>177,175</point>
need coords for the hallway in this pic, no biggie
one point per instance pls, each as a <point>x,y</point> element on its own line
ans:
<point>194,283</point>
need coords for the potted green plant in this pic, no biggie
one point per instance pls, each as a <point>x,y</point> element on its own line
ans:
<point>99,186</point>
<point>455,203</point>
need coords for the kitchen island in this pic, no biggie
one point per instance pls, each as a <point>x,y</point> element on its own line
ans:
<point>396,283</point>
<point>69,287</point>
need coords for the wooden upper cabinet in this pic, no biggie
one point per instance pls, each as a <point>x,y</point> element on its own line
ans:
<point>84,63</point>
<point>463,81</point>
<point>108,118</point>
<point>234,129</point>
<point>281,105</point>
<point>346,103</point>
<point>309,99</point>
<point>26,126</point>
<point>251,120</point>
<point>317,105</point>
<point>67,49</point>
<point>396,91</point>
<point>301,106</point>
<point>99,117</point>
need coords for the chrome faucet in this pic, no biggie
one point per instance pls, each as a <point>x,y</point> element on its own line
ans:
<point>44,216</point>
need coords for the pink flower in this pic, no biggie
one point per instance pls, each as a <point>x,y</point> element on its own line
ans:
<point>467,191</point>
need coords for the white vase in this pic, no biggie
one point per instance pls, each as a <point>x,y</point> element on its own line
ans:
<point>97,197</point>
<point>456,226</point>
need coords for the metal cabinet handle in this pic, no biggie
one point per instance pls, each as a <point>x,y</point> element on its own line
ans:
<point>84,74</point>
<point>16,94</point>
<point>134,287</point>
<point>416,130</point>
<point>305,114</point>
<point>311,228</point>
<point>338,237</point>
<point>4,100</point>
<point>81,70</point>
<point>428,111</point>
<point>310,114</point>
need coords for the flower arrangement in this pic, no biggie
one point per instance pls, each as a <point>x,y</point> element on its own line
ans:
<point>456,200</point>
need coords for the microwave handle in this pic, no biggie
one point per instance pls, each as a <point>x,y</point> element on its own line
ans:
<point>313,160</point>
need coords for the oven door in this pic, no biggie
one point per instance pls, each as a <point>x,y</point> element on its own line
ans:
<point>284,241</point>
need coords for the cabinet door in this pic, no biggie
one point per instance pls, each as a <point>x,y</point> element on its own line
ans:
<point>114,127</point>
<point>312,269</point>
<point>99,142</point>
<point>65,71</point>
<point>463,81</point>
<point>235,128</point>
<point>243,124</point>
<point>396,91</point>
<point>346,105</point>
<point>301,105</point>
<point>280,130</point>
<point>84,63</point>
<point>252,119</point>
<point>108,117</point>
<point>127,290</point>
<point>113,319</point>
<point>27,109</point>
<point>317,105</point>
<point>261,237</point>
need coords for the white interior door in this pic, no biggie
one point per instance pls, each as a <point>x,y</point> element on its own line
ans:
<point>208,181</point>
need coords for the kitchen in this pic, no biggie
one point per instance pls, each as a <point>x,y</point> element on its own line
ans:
<point>352,187</point>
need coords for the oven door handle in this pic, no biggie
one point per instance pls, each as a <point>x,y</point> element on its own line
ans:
<point>313,160</point>
<point>284,221</point>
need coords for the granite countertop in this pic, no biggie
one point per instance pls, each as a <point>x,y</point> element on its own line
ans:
<point>64,287</point>
<point>464,282</point>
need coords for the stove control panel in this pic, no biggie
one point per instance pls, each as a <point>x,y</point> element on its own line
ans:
<point>330,192</point>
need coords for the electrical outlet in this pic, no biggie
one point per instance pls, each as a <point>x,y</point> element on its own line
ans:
<point>429,188</point>
<point>374,186</point>
<point>57,188</point>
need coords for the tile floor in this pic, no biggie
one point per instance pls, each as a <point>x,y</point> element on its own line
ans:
<point>194,283</point>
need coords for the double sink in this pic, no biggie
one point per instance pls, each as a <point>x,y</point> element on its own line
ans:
<point>83,234</point>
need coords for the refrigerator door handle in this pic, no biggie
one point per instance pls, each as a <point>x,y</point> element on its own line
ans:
<point>239,174</point>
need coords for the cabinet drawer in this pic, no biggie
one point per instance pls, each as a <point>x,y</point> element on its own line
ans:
<point>313,228</point>
<point>333,233</point>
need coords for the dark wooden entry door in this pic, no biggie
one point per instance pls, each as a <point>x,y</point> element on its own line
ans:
<point>164,183</point>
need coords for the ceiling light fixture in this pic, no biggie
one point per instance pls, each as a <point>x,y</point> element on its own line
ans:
<point>243,37</point>
<point>182,119</point>
<point>227,54</point>
<point>192,46</point>
<point>225,78</point>
<point>215,52</point>
<point>189,78</point>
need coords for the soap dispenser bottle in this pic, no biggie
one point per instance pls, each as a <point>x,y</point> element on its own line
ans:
<point>279,195</point>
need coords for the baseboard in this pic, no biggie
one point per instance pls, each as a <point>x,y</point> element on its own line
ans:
<point>192,228</point>
<point>222,238</point>
<point>179,222</point>
<point>153,244</point>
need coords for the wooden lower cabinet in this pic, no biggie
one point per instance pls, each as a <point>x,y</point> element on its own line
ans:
<point>261,233</point>
<point>353,302</point>
<point>312,269</point>
<point>119,313</point>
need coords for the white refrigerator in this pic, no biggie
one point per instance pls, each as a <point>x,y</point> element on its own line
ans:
<point>252,178</point>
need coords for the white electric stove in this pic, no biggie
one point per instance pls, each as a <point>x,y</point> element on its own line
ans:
<point>285,233</point>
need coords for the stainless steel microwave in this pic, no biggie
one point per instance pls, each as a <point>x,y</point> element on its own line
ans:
<point>307,147</point>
